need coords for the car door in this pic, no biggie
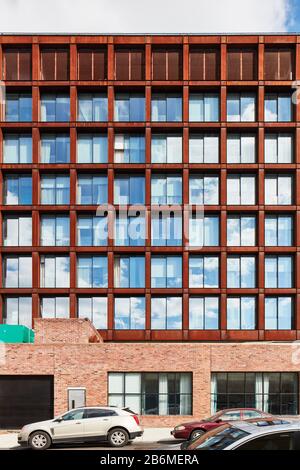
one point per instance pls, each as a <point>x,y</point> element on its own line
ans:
<point>70,426</point>
<point>98,421</point>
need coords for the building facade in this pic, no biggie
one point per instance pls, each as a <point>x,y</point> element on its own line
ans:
<point>151,185</point>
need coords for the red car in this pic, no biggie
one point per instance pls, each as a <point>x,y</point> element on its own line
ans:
<point>190,431</point>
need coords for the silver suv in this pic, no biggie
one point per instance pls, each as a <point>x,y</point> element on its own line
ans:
<point>116,426</point>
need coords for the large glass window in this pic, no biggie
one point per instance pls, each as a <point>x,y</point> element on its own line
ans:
<point>204,148</point>
<point>279,148</point>
<point>204,189</point>
<point>55,307</point>
<point>92,272</point>
<point>278,189</point>
<point>55,230</point>
<point>278,107</point>
<point>55,271</point>
<point>279,272</point>
<point>204,107</point>
<point>130,313</point>
<point>18,311</point>
<point>241,107</point>
<point>166,148</point>
<point>166,228</point>
<point>166,272</point>
<point>166,313</point>
<point>55,107</point>
<point>166,107</point>
<point>129,271</point>
<point>55,148</point>
<point>91,148</point>
<point>241,272</point>
<point>279,313</point>
<point>151,393</point>
<point>17,271</point>
<point>95,309</point>
<point>279,230</point>
<point>241,230</point>
<point>204,272</point>
<point>241,190</point>
<point>241,313</point>
<point>55,189</point>
<point>92,107</point>
<point>204,231</point>
<point>129,189</point>
<point>92,230</point>
<point>129,148</point>
<point>166,189</point>
<point>130,230</point>
<point>129,107</point>
<point>241,148</point>
<point>17,230</point>
<point>204,313</point>
<point>91,190</point>
<point>18,107</point>
<point>17,190</point>
<point>17,148</point>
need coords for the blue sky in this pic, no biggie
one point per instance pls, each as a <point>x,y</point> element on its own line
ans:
<point>152,16</point>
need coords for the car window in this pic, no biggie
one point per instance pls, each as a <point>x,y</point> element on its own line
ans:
<point>230,416</point>
<point>98,413</point>
<point>222,439</point>
<point>278,441</point>
<point>75,414</point>
<point>248,414</point>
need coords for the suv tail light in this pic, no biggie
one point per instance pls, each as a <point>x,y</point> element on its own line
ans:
<point>136,419</point>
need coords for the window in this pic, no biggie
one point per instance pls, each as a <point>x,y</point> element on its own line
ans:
<point>241,148</point>
<point>204,189</point>
<point>129,64</point>
<point>166,313</point>
<point>279,64</point>
<point>17,64</point>
<point>204,313</point>
<point>166,148</point>
<point>204,107</point>
<point>166,107</point>
<point>55,307</point>
<point>92,64</point>
<point>17,311</point>
<point>130,230</point>
<point>272,392</point>
<point>130,313</point>
<point>92,272</point>
<point>76,398</point>
<point>278,189</point>
<point>279,230</point>
<point>279,441</point>
<point>204,231</point>
<point>241,230</point>
<point>92,107</point>
<point>55,271</point>
<point>204,148</point>
<point>55,64</point>
<point>204,272</point>
<point>95,309</point>
<point>279,148</point>
<point>91,190</point>
<point>166,272</point>
<point>55,230</point>
<point>17,190</point>
<point>166,228</point>
<point>241,64</point>
<point>279,272</point>
<point>241,313</point>
<point>55,107</point>
<point>129,272</point>
<point>241,107</point>
<point>279,313</point>
<point>166,189</point>
<point>55,189</point>
<point>241,190</point>
<point>92,230</point>
<point>17,148</point>
<point>92,148</point>
<point>241,272</point>
<point>151,393</point>
<point>129,107</point>
<point>129,148</point>
<point>17,230</point>
<point>17,271</point>
<point>278,107</point>
<point>18,107</point>
<point>204,64</point>
<point>166,64</point>
<point>129,189</point>
<point>55,148</point>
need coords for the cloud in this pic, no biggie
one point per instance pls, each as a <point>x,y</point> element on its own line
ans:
<point>117,16</point>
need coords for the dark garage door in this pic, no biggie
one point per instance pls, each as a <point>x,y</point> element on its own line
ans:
<point>25,399</point>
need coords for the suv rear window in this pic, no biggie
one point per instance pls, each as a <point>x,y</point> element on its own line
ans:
<point>99,413</point>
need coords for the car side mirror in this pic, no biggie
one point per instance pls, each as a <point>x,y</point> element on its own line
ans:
<point>58,420</point>
<point>218,421</point>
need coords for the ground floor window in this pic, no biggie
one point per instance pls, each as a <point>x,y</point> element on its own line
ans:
<point>152,393</point>
<point>272,392</point>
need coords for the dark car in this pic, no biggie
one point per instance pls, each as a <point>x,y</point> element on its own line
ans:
<point>194,429</point>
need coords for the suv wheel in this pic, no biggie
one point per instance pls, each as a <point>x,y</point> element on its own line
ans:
<point>118,437</point>
<point>39,440</point>
<point>196,433</point>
